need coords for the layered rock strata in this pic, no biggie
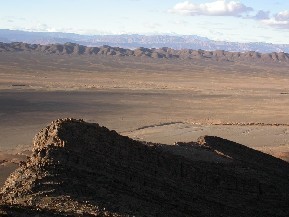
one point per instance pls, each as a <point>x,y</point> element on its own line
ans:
<point>83,169</point>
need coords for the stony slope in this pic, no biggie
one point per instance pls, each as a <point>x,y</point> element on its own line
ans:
<point>83,169</point>
<point>160,53</point>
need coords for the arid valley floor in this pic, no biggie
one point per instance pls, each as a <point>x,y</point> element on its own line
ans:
<point>147,99</point>
<point>155,100</point>
<point>77,168</point>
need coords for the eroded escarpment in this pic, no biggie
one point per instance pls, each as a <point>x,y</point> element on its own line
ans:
<point>83,169</point>
<point>155,53</point>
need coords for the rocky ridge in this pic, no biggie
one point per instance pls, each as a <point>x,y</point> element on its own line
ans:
<point>157,53</point>
<point>83,169</point>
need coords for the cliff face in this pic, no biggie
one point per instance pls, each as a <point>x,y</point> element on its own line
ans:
<point>156,53</point>
<point>83,169</point>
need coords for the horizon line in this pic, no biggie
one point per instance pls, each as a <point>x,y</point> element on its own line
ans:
<point>142,34</point>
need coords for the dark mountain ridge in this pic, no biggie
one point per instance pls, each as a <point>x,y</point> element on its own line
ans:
<point>157,53</point>
<point>83,169</point>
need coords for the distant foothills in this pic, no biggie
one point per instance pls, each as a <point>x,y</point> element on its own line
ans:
<point>134,41</point>
<point>154,53</point>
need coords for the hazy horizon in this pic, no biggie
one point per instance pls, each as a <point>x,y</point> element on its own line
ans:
<point>220,20</point>
<point>144,34</point>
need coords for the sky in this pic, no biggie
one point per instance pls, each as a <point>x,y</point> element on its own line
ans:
<point>225,20</point>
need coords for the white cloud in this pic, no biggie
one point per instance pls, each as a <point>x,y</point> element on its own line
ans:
<point>180,22</point>
<point>232,8</point>
<point>46,28</point>
<point>276,23</point>
<point>282,16</point>
<point>216,8</point>
<point>280,20</point>
<point>41,27</point>
<point>151,25</point>
<point>261,15</point>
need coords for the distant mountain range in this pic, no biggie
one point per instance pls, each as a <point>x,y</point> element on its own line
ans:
<point>134,41</point>
<point>155,53</point>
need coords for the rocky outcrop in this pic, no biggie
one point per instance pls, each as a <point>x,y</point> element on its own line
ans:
<point>160,53</point>
<point>83,169</point>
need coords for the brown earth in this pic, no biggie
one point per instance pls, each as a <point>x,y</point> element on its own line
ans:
<point>157,100</point>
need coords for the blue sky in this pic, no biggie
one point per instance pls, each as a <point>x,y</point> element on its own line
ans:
<point>243,21</point>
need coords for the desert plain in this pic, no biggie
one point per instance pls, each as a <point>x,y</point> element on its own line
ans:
<point>156,100</point>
